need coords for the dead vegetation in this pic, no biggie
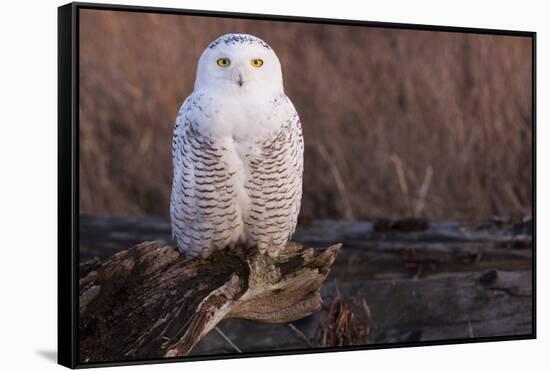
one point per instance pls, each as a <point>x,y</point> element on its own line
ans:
<point>344,321</point>
<point>396,122</point>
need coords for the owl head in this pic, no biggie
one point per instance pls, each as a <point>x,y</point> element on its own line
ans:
<point>239,63</point>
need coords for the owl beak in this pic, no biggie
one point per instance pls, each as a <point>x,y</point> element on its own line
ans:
<point>240,80</point>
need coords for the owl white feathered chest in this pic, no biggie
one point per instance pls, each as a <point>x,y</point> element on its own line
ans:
<point>237,153</point>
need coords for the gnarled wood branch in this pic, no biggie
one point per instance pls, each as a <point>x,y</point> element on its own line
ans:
<point>149,301</point>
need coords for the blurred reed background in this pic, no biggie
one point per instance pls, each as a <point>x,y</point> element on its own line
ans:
<point>396,122</point>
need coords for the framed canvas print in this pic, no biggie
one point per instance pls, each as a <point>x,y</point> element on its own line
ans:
<point>234,185</point>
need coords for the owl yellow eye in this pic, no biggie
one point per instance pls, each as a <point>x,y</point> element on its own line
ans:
<point>223,62</point>
<point>256,62</point>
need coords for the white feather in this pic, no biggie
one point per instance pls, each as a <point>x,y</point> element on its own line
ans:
<point>237,153</point>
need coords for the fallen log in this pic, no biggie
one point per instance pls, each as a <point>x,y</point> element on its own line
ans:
<point>103,236</point>
<point>453,306</point>
<point>149,301</point>
<point>447,282</point>
<point>446,306</point>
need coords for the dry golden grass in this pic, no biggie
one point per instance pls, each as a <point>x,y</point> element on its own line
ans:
<point>396,122</point>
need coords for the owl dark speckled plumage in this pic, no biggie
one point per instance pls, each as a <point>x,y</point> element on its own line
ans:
<point>237,153</point>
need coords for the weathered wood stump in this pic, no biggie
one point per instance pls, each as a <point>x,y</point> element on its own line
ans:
<point>149,301</point>
<point>450,281</point>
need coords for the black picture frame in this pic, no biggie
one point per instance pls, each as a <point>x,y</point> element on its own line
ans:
<point>68,176</point>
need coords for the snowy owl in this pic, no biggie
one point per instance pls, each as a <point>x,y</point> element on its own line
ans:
<point>237,153</point>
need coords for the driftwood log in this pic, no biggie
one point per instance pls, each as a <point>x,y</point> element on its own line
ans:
<point>431,282</point>
<point>149,301</point>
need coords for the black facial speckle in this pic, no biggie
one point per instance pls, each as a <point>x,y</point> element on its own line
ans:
<point>232,39</point>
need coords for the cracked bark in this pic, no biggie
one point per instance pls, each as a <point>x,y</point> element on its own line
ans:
<point>149,301</point>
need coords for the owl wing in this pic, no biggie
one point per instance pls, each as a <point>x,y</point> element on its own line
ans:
<point>275,184</point>
<point>202,209</point>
